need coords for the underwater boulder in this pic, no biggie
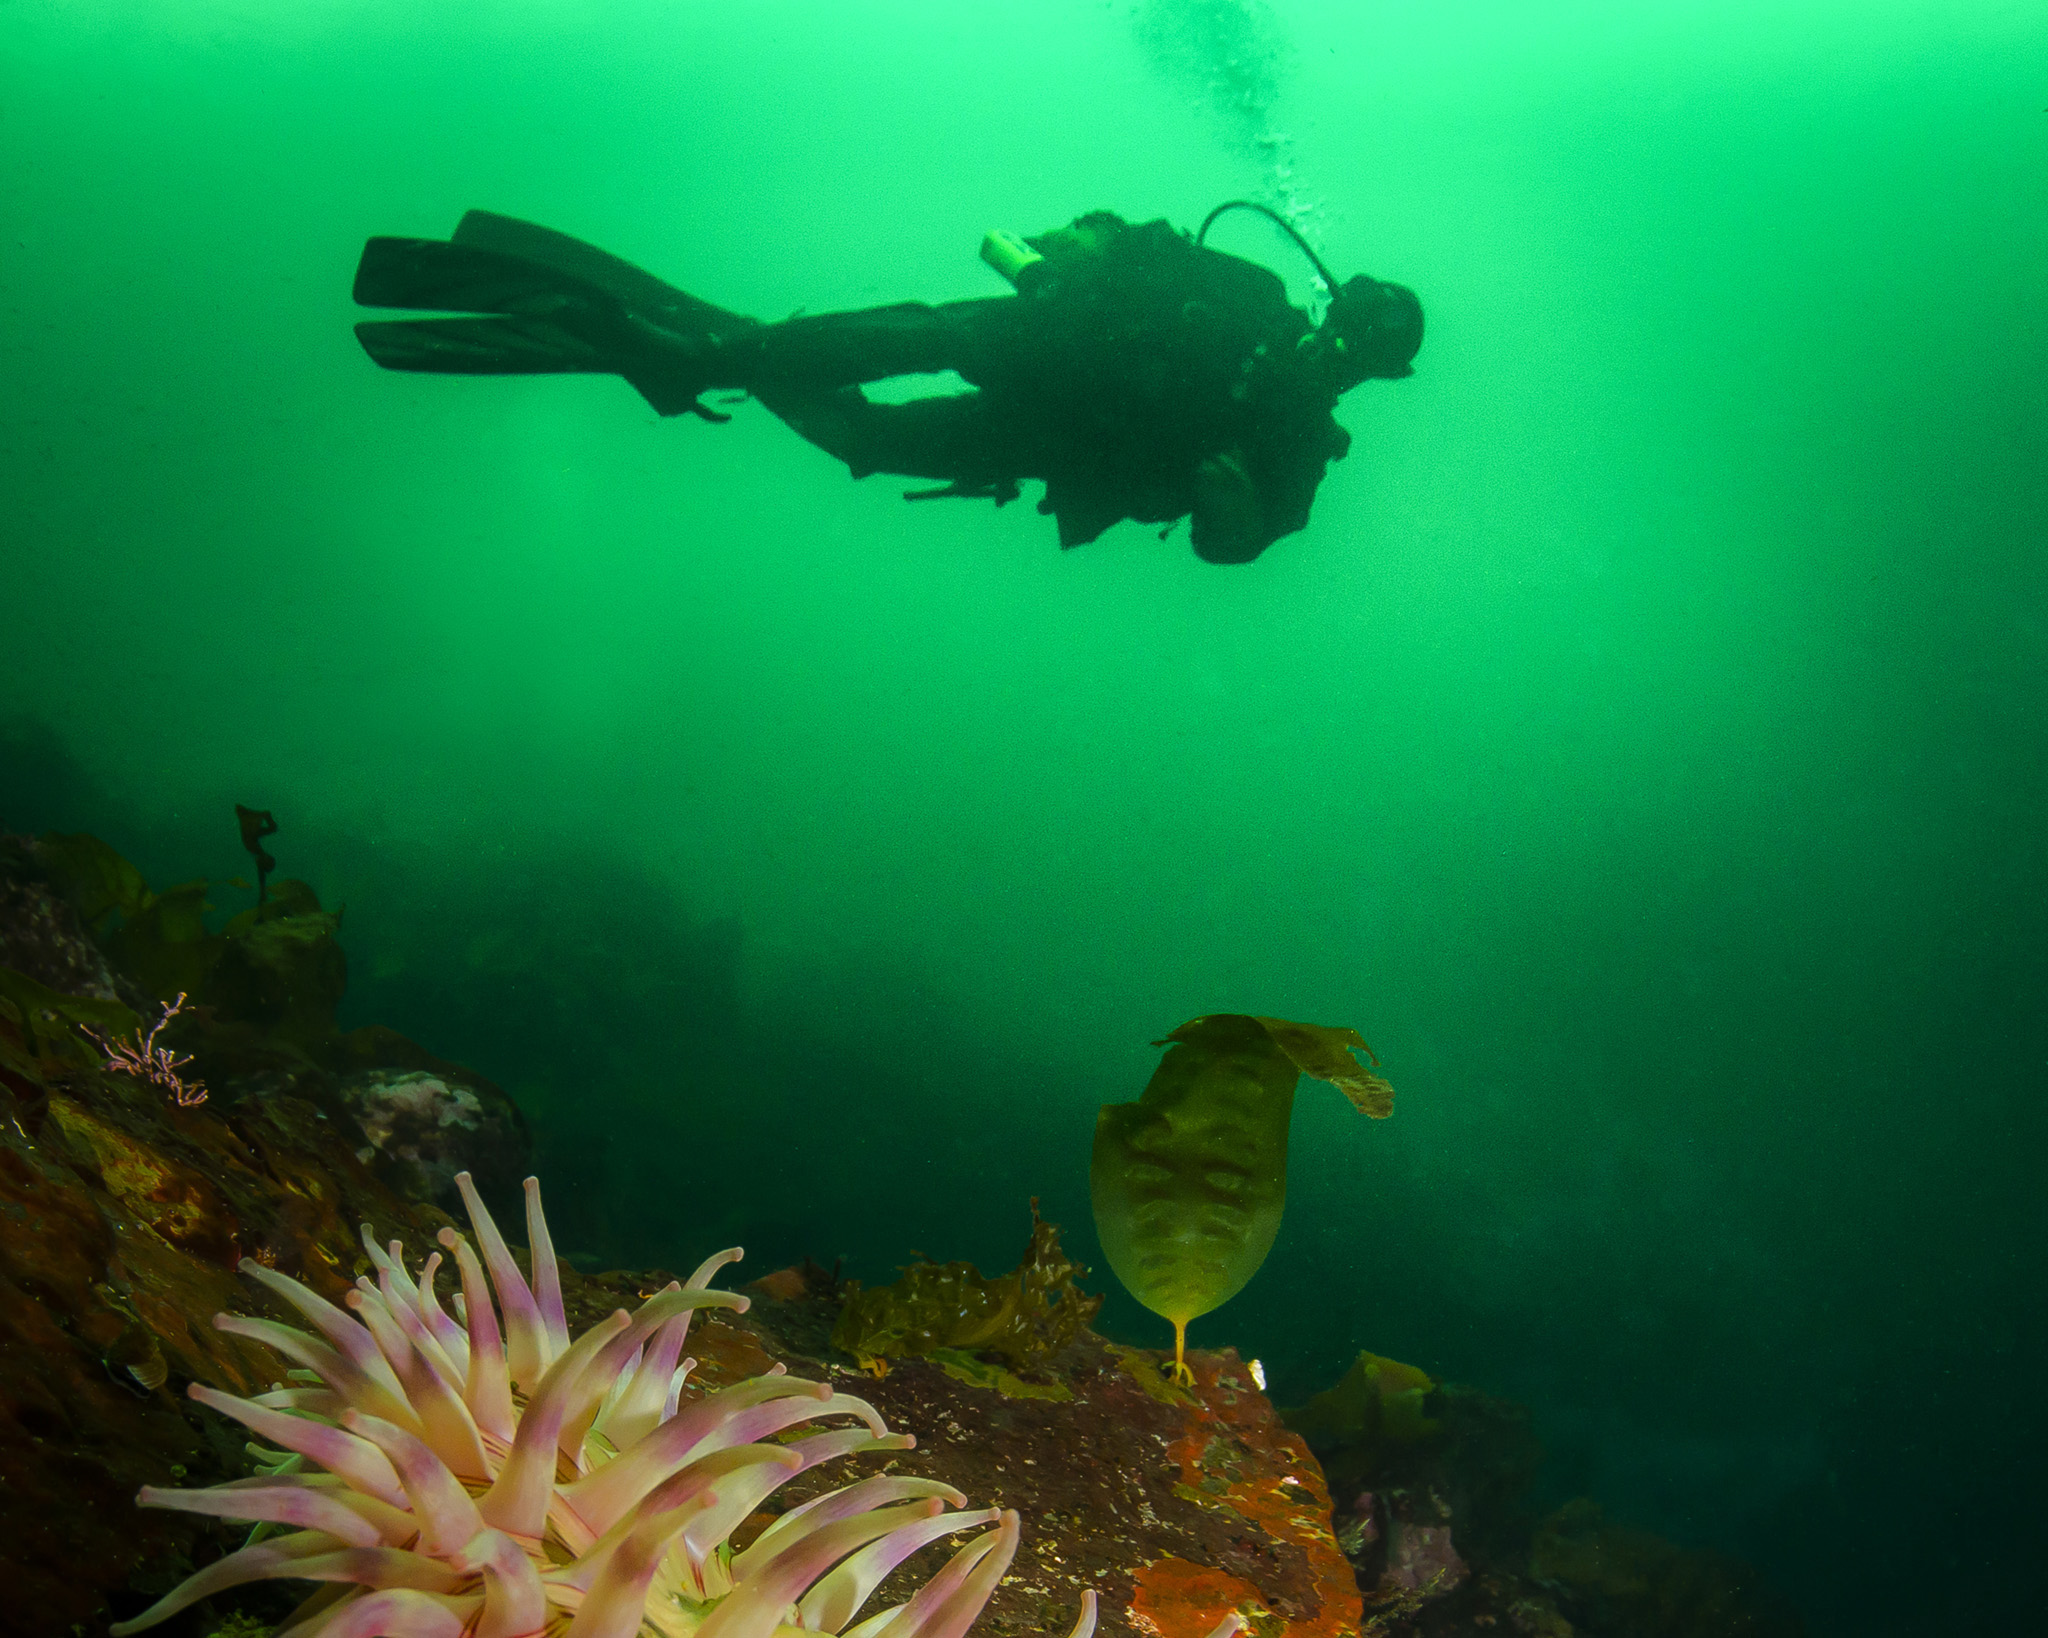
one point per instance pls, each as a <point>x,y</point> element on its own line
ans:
<point>42,935</point>
<point>1612,1579</point>
<point>422,1127</point>
<point>281,968</point>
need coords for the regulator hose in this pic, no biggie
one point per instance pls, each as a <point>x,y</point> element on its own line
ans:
<point>1278,221</point>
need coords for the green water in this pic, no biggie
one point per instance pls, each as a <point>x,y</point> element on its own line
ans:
<point>1643,746</point>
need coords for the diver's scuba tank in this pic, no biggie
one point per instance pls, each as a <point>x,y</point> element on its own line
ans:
<point>1007,254</point>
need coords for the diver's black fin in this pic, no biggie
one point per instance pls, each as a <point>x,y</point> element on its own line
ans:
<point>518,346</point>
<point>641,292</point>
<point>481,346</point>
<point>637,288</point>
<point>567,308</point>
<point>433,273</point>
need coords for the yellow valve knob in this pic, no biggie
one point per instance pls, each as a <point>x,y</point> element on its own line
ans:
<point>1007,254</point>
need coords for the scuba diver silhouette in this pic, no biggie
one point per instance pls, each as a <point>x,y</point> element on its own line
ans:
<point>1135,372</point>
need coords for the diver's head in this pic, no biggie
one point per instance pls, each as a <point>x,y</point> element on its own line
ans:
<point>1371,332</point>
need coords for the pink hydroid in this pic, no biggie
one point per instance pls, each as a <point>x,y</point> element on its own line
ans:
<point>483,1475</point>
<point>141,1057</point>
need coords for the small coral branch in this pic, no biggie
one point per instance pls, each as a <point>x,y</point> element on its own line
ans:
<point>140,1056</point>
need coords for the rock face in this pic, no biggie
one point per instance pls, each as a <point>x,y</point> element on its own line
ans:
<point>1177,1505</point>
<point>122,1218</point>
<point>1432,1483</point>
<point>124,1214</point>
<point>423,1119</point>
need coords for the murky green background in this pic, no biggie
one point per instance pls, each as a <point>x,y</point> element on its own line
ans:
<point>1644,746</point>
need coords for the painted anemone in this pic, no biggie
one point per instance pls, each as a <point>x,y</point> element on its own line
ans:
<point>483,1476</point>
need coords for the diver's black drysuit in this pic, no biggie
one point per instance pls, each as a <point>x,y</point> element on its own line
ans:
<point>1138,374</point>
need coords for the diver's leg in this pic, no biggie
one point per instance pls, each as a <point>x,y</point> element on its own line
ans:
<point>948,437</point>
<point>835,349</point>
<point>826,350</point>
<point>568,307</point>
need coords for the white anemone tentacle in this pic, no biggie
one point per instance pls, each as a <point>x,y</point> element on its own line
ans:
<point>485,1475</point>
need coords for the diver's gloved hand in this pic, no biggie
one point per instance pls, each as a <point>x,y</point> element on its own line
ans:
<point>1372,332</point>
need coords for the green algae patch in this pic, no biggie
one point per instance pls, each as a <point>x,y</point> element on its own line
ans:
<point>1023,1317</point>
<point>277,967</point>
<point>981,1373</point>
<point>1143,1370</point>
<point>1376,1402</point>
<point>44,1039</point>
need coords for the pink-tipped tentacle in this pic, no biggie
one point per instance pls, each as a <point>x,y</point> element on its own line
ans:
<point>1084,1623</point>
<point>405,1314</point>
<point>351,1519</point>
<point>582,1454</point>
<point>878,1491</point>
<point>547,1273</point>
<point>757,1605</point>
<point>443,1419</point>
<point>614,1359</point>
<point>738,1497</point>
<point>488,1390</point>
<point>688,1489</point>
<point>952,1614</point>
<point>396,1613</point>
<point>526,1343</point>
<point>393,1346</point>
<point>515,1602</point>
<point>708,1269</point>
<point>615,1600</point>
<point>354,1343</point>
<point>759,1421</point>
<point>447,1516</point>
<point>360,1463</point>
<point>389,1262</point>
<point>311,1556</point>
<point>453,1339</point>
<point>673,1399</point>
<point>603,1497</point>
<point>927,1599</point>
<point>640,1406</point>
<point>339,1373</point>
<point>518,1501</point>
<point>276,1557</point>
<point>837,1597</point>
<point>827,1447</point>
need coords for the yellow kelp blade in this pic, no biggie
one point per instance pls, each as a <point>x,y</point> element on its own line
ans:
<point>1189,1183</point>
<point>1326,1054</point>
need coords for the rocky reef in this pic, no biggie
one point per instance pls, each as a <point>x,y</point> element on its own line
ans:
<point>149,1143</point>
<point>126,1206</point>
<point>1433,1486</point>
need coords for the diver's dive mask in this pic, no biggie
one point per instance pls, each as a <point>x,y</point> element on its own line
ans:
<point>1371,332</point>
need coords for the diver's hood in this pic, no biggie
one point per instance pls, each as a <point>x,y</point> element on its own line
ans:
<point>1373,331</point>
